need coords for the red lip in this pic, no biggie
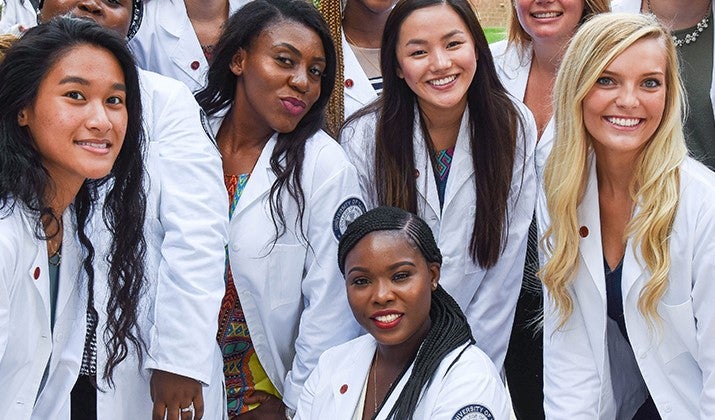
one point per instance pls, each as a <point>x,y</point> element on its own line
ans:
<point>294,106</point>
<point>386,325</point>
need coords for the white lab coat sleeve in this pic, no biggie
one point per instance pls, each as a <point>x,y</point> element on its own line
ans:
<point>326,319</point>
<point>703,296</point>
<point>571,381</point>
<point>193,213</point>
<point>358,142</point>
<point>491,312</point>
<point>471,388</point>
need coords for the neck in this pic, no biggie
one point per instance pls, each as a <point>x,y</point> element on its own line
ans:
<point>443,125</point>
<point>238,132</point>
<point>547,56</point>
<point>398,356</point>
<point>678,14</point>
<point>206,10</point>
<point>615,173</point>
<point>367,36</point>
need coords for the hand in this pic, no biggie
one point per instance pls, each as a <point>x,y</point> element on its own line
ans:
<point>171,392</point>
<point>270,408</point>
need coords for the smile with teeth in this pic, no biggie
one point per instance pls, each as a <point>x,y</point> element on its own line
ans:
<point>387,318</point>
<point>624,122</point>
<point>443,81</point>
<point>545,15</point>
<point>93,144</point>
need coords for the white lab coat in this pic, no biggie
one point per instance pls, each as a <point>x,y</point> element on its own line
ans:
<point>678,364</point>
<point>465,379</point>
<point>166,42</point>
<point>634,6</point>
<point>513,68</point>
<point>360,92</point>
<point>26,340</point>
<point>292,293</point>
<point>186,231</point>
<point>487,297</point>
<point>16,13</point>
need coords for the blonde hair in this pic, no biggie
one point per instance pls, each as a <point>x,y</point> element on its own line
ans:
<point>518,36</point>
<point>6,41</point>
<point>655,185</point>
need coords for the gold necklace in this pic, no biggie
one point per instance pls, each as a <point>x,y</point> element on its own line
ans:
<point>360,51</point>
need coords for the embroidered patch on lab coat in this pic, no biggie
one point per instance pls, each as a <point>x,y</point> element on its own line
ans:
<point>473,412</point>
<point>347,212</point>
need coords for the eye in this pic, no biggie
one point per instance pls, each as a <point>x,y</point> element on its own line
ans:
<point>115,100</point>
<point>115,3</point>
<point>316,71</point>
<point>285,61</point>
<point>400,276</point>
<point>75,95</point>
<point>454,44</point>
<point>651,83</point>
<point>359,281</point>
<point>417,53</point>
<point>605,81</point>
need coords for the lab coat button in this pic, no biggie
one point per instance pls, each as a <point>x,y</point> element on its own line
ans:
<point>36,273</point>
<point>344,388</point>
<point>644,355</point>
<point>349,83</point>
<point>195,65</point>
<point>667,408</point>
<point>583,231</point>
<point>234,246</point>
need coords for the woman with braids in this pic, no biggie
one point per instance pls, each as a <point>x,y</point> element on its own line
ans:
<point>418,360</point>
<point>629,323</point>
<point>291,190</point>
<point>70,127</point>
<point>447,142</point>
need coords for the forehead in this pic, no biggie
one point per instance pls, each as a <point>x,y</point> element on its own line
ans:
<point>295,33</point>
<point>378,246</point>
<point>440,18</point>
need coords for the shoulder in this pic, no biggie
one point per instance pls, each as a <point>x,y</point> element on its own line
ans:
<point>697,185</point>
<point>627,6</point>
<point>157,85</point>
<point>359,130</point>
<point>323,153</point>
<point>498,49</point>
<point>343,352</point>
<point>469,360</point>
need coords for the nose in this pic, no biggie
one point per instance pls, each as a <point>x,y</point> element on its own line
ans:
<point>91,6</point>
<point>440,61</point>
<point>383,293</point>
<point>627,97</point>
<point>299,81</point>
<point>98,119</point>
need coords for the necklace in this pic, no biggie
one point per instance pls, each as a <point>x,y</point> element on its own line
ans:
<point>360,51</point>
<point>374,381</point>
<point>699,28</point>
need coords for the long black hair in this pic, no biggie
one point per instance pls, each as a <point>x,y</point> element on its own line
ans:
<point>494,123</point>
<point>449,329</point>
<point>25,181</point>
<point>240,32</point>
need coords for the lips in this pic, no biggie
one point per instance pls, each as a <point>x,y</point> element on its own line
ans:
<point>294,106</point>
<point>546,15</point>
<point>625,122</point>
<point>443,81</point>
<point>386,319</point>
<point>94,146</point>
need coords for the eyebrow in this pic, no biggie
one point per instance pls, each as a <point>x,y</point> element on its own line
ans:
<point>652,73</point>
<point>390,267</point>
<point>422,41</point>
<point>295,51</point>
<point>85,82</point>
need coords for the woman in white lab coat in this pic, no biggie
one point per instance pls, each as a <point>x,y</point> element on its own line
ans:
<point>292,192</point>
<point>17,16</point>
<point>628,317</point>
<point>418,360</point>
<point>447,142</point>
<point>70,124</point>
<point>691,23</point>
<point>177,37</point>
<point>527,63</point>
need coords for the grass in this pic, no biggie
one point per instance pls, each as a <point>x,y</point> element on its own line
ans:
<point>495,34</point>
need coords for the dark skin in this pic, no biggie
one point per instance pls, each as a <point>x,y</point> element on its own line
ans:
<point>270,408</point>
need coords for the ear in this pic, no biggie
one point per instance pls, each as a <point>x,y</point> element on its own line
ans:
<point>399,73</point>
<point>434,269</point>
<point>22,117</point>
<point>237,62</point>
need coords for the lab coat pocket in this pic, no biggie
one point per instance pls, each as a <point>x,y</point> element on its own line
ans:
<point>285,274</point>
<point>678,330</point>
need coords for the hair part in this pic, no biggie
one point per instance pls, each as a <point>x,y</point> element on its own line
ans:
<point>240,32</point>
<point>25,180</point>
<point>656,181</point>
<point>449,329</point>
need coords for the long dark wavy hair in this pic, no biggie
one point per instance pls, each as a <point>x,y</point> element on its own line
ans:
<point>494,123</point>
<point>450,329</point>
<point>25,181</point>
<point>240,32</point>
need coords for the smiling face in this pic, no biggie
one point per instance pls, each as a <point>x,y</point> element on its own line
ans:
<point>389,285</point>
<point>279,77</point>
<point>624,108</point>
<point>438,65</point>
<point>114,15</point>
<point>78,119</point>
<point>547,21</point>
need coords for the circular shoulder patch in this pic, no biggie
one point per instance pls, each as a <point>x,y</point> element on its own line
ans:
<point>347,212</point>
<point>473,412</point>
<point>207,127</point>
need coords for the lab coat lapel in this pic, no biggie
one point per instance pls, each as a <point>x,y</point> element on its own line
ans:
<point>590,246</point>
<point>70,265</point>
<point>360,89</point>
<point>351,377</point>
<point>39,275</point>
<point>426,185</point>
<point>462,168</point>
<point>262,177</point>
<point>178,44</point>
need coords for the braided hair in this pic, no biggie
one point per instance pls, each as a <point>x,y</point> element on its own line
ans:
<point>449,329</point>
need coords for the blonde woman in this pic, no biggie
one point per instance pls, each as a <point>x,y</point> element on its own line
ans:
<point>628,328</point>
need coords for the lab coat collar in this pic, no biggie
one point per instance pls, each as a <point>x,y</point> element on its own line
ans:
<point>175,22</point>
<point>361,89</point>
<point>261,180</point>
<point>354,377</point>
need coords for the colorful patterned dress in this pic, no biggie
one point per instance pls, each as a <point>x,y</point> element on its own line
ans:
<point>241,367</point>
